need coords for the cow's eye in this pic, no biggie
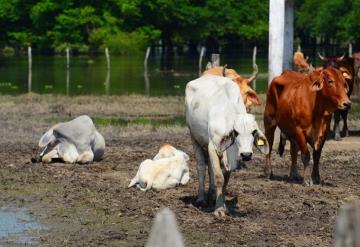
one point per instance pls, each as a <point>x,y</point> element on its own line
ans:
<point>331,81</point>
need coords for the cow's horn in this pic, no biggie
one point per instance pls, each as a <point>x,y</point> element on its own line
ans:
<point>255,73</point>
<point>340,58</point>
<point>321,57</point>
<point>224,69</point>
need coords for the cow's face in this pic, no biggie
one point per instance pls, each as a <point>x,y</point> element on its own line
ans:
<point>249,134</point>
<point>333,87</point>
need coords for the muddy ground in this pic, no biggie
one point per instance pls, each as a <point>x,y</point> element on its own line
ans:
<point>89,205</point>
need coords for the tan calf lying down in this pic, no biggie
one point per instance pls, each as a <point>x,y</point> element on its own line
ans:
<point>166,170</point>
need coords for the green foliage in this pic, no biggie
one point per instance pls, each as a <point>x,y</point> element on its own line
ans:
<point>128,26</point>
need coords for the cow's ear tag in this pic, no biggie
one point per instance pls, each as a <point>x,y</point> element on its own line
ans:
<point>260,142</point>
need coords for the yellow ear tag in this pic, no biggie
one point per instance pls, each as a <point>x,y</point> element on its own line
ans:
<point>260,142</point>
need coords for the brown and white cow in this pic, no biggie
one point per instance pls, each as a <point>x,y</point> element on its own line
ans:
<point>249,95</point>
<point>302,106</point>
<point>346,65</point>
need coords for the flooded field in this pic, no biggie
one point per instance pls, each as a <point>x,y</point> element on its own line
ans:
<point>90,205</point>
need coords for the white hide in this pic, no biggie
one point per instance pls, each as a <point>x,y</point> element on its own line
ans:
<point>73,141</point>
<point>214,109</point>
<point>166,170</point>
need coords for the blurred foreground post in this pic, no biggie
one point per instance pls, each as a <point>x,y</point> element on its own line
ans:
<point>202,53</point>
<point>254,66</point>
<point>165,231</point>
<point>281,35</point>
<point>215,60</point>
<point>347,230</point>
<point>67,71</point>
<point>30,69</point>
<point>146,76</point>
<point>350,50</point>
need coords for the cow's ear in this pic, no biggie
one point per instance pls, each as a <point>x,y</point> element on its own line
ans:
<point>227,141</point>
<point>47,138</point>
<point>317,85</point>
<point>252,97</point>
<point>260,141</point>
<point>346,74</point>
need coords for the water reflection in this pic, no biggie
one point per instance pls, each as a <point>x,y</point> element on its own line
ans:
<point>166,73</point>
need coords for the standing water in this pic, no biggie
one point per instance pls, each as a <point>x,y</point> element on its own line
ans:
<point>90,76</point>
<point>17,227</point>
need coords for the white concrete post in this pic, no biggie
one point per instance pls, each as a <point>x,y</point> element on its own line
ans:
<point>107,55</point>
<point>281,19</point>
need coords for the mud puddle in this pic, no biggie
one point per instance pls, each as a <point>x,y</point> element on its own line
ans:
<point>17,227</point>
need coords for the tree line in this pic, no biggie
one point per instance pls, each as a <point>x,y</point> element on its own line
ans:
<point>129,26</point>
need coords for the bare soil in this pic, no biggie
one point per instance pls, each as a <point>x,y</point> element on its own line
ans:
<point>90,205</point>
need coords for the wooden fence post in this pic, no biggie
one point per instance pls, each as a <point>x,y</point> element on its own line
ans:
<point>254,66</point>
<point>215,60</point>
<point>30,69</point>
<point>350,50</point>
<point>107,55</point>
<point>146,75</point>
<point>165,231</point>
<point>347,230</point>
<point>202,53</point>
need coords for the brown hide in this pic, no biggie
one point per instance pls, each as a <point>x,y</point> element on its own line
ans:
<point>249,95</point>
<point>302,106</point>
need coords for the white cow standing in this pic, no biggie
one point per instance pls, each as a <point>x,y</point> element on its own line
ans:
<point>166,170</point>
<point>73,141</point>
<point>221,132</point>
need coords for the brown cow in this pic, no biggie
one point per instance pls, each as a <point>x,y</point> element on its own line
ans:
<point>300,62</point>
<point>302,106</point>
<point>249,95</point>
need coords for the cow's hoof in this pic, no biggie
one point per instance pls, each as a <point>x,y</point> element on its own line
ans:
<point>345,133</point>
<point>316,179</point>
<point>220,212</point>
<point>337,137</point>
<point>294,176</point>
<point>308,182</point>
<point>200,203</point>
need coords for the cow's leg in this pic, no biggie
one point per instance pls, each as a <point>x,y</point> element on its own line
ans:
<point>315,172</point>
<point>305,156</point>
<point>294,175</point>
<point>211,195</point>
<point>282,144</point>
<point>47,158</point>
<point>226,180</point>
<point>336,125</point>
<point>85,157</point>
<point>269,133</point>
<point>220,208</point>
<point>345,131</point>
<point>201,169</point>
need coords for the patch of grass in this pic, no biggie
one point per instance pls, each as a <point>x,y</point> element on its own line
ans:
<point>124,122</point>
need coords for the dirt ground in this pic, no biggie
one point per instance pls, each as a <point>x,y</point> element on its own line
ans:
<point>90,205</point>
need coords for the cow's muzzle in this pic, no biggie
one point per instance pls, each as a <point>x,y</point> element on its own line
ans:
<point>345,105</point>
<point>246,156</point>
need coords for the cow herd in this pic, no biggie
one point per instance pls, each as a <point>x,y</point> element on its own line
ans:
<point>223,132</point>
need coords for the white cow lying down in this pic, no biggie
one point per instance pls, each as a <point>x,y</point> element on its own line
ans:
<point>73,141</point>
<point>166,170</point>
